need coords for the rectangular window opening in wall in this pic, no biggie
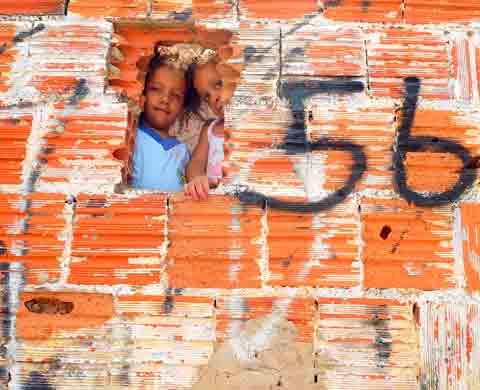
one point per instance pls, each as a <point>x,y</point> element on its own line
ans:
<point>176,85</point>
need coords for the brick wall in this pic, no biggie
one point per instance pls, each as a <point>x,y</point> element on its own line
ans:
<point>342,250</point>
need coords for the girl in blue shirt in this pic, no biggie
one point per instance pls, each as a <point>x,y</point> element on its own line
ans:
<point>159,160</point>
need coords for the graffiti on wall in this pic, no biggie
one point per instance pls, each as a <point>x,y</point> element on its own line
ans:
<point>296,143</point>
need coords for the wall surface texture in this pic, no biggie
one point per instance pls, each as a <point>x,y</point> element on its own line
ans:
<point>342,250</point>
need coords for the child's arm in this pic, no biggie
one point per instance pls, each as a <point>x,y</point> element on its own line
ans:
<point>197,182</point>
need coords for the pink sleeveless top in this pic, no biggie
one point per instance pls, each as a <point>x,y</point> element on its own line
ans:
<point>215,153</point>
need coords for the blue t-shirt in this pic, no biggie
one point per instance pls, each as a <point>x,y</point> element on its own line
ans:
<point>158,163</point>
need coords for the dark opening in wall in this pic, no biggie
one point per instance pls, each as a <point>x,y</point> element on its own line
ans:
<point>135,45</point>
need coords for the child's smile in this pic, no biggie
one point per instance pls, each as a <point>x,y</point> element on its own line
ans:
<point>164,98</point>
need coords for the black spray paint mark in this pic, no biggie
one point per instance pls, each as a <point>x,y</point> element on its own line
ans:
<point>296,143</point>
<point>5,283</point>
<point>37,381</point>
<point>20,37</point>
<point>332,3</point>
<point>3,248</point>
<point>80,92</point>
<point>182,16</point>
<point>169,303</point>
<point>383,336</point>
<point>408,143</point>
<point>336,3</point>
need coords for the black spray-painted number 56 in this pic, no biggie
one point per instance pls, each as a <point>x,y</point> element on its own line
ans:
<point>296,143</point>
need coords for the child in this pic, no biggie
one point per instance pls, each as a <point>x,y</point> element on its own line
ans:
<point>159,160</point>
<point>205,167</point>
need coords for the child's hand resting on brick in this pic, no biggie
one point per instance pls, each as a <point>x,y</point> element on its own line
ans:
<point>204,170</point>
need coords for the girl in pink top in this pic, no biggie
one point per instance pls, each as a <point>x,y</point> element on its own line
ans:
<point>205,168</point>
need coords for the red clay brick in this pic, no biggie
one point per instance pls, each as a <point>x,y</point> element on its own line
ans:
<point>219,235</point>
<point>165,305</point>
<point>118,240</point>
<point>32,7</point>
<point>233,312</point>
<point>470,218</point>
<point>371,126</point>
<point>448,331</point>
<point>324,51</point>
<point>366,343</point>
<point>255,52</point>
<point>385,11</point>
<point>407,246</point>
<point>8,56</point>
<point>442,168</point>
<point>465,54</point>
<point>31,228</point>
<point>79,147</point>
<point>13,138</point>
<point>446,11</point>
<point>262,9</point>
<point>68,59</point>
<point>319,250</point>
<point>109,8</point>
<point>42,313</point>
<point>394,54</point>
<point>199,10</point>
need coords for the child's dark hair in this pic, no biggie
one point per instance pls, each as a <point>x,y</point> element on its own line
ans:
<point>194,99</point>
<point>157,62</point>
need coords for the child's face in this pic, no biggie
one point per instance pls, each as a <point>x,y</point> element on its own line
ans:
<point>209,86</point>
<point>164,97</point>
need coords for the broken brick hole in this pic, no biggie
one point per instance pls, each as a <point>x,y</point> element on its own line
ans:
<point>416,313</point>
<point>385,232</point>
<point>48,306</point>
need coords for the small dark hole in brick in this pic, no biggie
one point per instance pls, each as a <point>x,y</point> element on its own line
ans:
<point>48,306</point>
<point>416,313</point>
<point>310,116</point>
<point>385,232</point>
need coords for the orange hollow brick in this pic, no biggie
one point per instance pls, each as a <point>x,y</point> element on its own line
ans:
<point>447,11</point>
<point>470,220</point>
<point>262,9</point>
<point>366,343</point>
<point>32,7</point>
<point>385,11</point>
<point>316,250</point>
<point>233,312</point>
<point>406,246</point>
<point>449,343</point>
<point>219,235</point>
<point>465,52</point>
<point>42,314</point>
<point>30,233</point>
<point>110,8</point>
<point>13,137</point>
<point>118,240</point>
<point>394,54</point>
